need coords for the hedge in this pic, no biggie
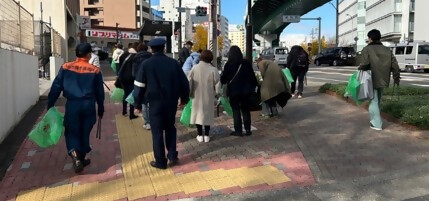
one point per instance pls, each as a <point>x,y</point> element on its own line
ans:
<point>410,104</point>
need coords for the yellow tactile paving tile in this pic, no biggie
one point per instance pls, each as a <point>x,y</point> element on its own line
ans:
<point>221,183</point>
<point>31,195</point>
<point>214,174</point>
<point>193,182</point>
<point>112,190</point>
<point>271,175</point>
<point>166,184</point>
<point>58,193</point>
<point>139,188</point>
<point>85,192</point>
<point>245,177</point>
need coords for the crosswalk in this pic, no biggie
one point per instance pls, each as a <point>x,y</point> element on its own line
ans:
<point>342,74</point>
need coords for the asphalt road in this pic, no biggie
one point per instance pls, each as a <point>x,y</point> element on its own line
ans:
<point>341,74</point>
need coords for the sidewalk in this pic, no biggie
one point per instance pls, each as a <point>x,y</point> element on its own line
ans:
<point>319,148</point>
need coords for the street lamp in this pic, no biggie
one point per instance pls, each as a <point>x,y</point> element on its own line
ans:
<point>337,13</point>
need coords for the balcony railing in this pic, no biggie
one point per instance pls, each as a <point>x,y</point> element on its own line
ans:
<point>411,27</point>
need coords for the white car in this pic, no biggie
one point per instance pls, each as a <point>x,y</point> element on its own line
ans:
<point>277,54</point>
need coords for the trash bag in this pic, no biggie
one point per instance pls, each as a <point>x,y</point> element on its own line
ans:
<point>352,89</point>
<point>366,89</point>
<point>226,106</point>
<point>288,75</point>
<point>185,118</point>
<point>113,66</point>
<point>48,131</point>
<point>117,95</point>
<point>130,98</point>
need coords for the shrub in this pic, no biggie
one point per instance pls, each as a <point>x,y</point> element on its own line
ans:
<point>417,116</point>
<point>411,105</point>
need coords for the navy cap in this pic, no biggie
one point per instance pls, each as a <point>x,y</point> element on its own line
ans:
<point>83,49</point>
<point>156,42</point>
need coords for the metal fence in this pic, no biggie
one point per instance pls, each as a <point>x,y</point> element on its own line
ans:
<point>16,27</point>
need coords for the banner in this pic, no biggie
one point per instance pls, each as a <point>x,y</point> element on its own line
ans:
<point>111,34</point>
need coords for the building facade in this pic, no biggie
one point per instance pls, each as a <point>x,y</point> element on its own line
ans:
<point>62,18</point>
<point>169,9</point>
<point>224,32</point>
<point>396,19</point>
<point>157,15</point>
<point>106,13</point>
<point>237,36</point>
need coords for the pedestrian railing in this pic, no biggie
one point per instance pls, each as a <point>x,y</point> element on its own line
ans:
<point>16,27</point>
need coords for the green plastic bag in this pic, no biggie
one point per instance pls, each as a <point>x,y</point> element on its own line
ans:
<point>48,131</point>
<point>117,95</point>
<point>352,89</point>
<point>185,118</point>
<point>288,75</point>
<point>226,106</point>
<point>130,98</point>
<point>113,66</point>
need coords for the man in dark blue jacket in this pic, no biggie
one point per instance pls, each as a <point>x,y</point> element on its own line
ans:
<point>161,82</point>
<point>82,86</point>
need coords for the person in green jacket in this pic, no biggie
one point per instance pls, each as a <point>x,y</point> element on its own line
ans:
<point>381,61</point>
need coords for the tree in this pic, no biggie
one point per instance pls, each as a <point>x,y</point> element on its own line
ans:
<point>200,38</point>
<point>315,45</point>
<point>220,43</point>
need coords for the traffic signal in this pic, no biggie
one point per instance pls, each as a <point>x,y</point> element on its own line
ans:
<point>201,11</point>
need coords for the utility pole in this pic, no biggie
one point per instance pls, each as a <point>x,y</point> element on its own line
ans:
<point>213,19</point>
<point>42,35</point>
<point>117,33</point>
<point>180,28</point>
<point>249,31</point>
<point>336,30</point>
<point>320,34</point>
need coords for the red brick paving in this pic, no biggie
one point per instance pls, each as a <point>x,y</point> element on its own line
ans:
<point>46,165</point>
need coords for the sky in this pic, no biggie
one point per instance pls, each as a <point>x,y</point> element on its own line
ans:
<point>294,34</point>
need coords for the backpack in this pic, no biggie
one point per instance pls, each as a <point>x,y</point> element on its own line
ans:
<point>302,60</point>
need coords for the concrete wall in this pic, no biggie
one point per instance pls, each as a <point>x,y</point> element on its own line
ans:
<point>19,88</point>
<point>55,65</point>
<point>421,30</point>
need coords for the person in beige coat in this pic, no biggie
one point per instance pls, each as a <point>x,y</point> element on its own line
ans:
<point>275,88</point>
<point>204,87</point>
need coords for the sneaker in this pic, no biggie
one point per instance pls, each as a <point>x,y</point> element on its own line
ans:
<point>200,138</point>
<point>206,138</point>
<point>375,128</point>
<point>293,95</point>
<point>299,96</point>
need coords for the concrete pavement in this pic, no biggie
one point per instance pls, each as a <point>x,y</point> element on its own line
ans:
<point>319,148</point>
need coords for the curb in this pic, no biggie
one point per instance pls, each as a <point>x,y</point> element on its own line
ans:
<point>384,115</point>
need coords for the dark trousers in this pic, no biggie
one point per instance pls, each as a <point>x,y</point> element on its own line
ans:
<point>127,91</point>
<point>241,106</point>
<point>162,117</point>
<point>298,74</point>
<point>200,130</point>
<point>79,118</point>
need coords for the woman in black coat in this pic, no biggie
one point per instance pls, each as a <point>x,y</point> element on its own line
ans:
<point>240,80</point>
<point>298,62</point>
<point>126,77</point>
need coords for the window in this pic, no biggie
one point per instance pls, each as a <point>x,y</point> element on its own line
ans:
<point>423,49</point>
<point>397,23</point>
<point>399,50</point>
<point>398,5</point>
<point>409,50</point>
<point>280,51</point>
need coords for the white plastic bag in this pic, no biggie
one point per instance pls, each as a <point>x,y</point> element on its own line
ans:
<point>366,89</point>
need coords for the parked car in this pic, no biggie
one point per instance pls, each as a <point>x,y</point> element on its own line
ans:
<point>412,56</point>
<point>277,54</point>
<point>336,56</point>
